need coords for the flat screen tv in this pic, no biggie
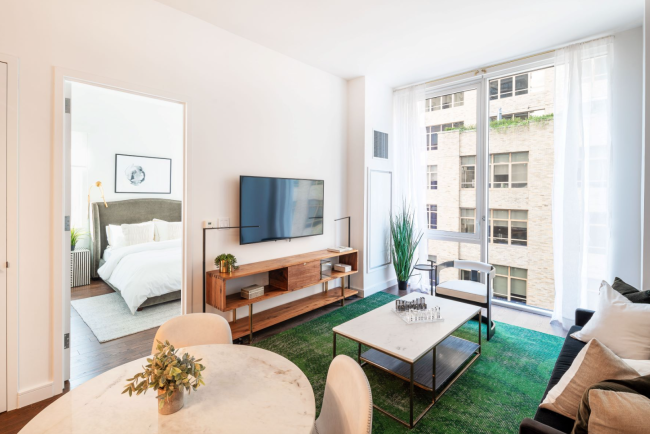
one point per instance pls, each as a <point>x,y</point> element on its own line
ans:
<point>283,208</point>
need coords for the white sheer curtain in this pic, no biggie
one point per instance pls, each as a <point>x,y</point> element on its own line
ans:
<point>409,161</point>
<point>582,115</point>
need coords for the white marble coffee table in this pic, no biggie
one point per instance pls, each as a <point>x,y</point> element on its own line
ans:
<point>422,353</point>
<point>248,390</point>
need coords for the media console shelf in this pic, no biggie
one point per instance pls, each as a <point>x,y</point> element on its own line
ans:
<point>284,275</point>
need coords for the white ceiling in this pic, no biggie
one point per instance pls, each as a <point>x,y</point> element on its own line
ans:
<point>407,41</point>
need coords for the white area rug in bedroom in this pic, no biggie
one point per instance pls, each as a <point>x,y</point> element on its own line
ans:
<point>109,317</point>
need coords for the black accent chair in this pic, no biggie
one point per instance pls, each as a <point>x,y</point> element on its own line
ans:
<point>546,421</point>
<point>472,291</point>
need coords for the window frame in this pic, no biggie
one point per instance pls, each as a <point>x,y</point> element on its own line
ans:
<point>432,209</point>
<point>510,164</point>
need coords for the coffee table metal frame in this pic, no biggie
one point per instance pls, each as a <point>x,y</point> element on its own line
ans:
<point>460,370</point>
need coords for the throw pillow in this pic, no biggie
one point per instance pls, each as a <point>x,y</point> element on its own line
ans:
<point>640,366</point>
<point>615,406</point>
<point>139,233</point>
<point>594,363</point>
<point>630,292</point>
<point>165,231</point>
<point>623,326</point>
<point>115,236</point>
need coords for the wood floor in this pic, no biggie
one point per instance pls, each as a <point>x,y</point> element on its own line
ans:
<point>89,358</point>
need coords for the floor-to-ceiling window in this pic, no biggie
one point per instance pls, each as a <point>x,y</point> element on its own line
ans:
<point>493,159</point>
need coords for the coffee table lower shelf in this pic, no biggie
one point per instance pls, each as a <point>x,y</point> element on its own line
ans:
<point>451,355</point>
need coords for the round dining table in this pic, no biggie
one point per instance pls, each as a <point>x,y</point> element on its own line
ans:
<point>247,390</point>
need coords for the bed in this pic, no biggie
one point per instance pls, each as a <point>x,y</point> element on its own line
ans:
<point>140,273</point>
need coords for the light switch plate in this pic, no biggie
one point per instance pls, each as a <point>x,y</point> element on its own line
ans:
<point>209,224</point>
<point>224,222</point>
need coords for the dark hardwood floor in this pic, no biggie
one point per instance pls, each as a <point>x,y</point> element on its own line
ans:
<point>89,358</point>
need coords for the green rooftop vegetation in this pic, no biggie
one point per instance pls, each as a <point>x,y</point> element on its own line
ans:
<point>503,123</point>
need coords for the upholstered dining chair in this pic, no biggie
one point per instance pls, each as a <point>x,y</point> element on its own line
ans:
<point>347,404</point>
<point>476,291</point>
<point>194,329</point>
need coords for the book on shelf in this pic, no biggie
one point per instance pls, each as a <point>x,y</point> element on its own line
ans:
<point>339,249</point>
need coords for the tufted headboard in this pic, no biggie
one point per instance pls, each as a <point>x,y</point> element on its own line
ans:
<point>126,211</point>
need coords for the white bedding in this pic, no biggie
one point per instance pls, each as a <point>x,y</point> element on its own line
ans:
<point>144,270</point>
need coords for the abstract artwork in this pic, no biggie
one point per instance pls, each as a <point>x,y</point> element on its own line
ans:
<point>146,175</point>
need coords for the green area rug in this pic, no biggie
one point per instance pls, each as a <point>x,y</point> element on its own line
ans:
<point>504,386</point>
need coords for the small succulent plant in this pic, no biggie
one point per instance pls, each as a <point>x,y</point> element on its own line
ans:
<point>229,258</point>
<point>168,372</point>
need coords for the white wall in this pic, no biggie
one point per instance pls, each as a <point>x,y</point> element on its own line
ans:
<point>251,111</point>
<point>626,202</point>
<point>370,108</point>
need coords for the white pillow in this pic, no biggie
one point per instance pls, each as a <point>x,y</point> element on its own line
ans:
<point>139,233</point>
<point>115,236</point>
<point>165,231</point>
<point>622,326</point>
<point>640,366</point>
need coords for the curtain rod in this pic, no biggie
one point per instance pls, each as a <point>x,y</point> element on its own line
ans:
<point>484,68</point>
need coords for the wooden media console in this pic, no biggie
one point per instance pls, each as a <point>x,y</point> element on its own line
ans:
<point>284,275</point>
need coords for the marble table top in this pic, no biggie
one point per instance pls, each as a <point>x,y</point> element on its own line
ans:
<point>248,390</point>
<point>383,330</point>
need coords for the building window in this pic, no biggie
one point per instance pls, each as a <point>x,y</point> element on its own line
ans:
<point>433,130</point>
<point>432,137</point>
<point>467,218</point>
<point>503,88</point>
<point>509,170</point>
<point>468,171</point>
<point>509,227</point>
<point>510,283</point>
<point>444,102</point>
<point>432,177</point>
<point>432,216</point>
<point>513,116</point>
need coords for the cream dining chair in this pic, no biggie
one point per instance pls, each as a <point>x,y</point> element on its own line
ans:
<point>194,329</point>
<point>347,404</point>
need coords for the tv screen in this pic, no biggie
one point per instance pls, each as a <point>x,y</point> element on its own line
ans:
<point>283,208</point>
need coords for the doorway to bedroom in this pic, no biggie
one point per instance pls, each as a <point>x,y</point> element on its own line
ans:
<point>125,178</point>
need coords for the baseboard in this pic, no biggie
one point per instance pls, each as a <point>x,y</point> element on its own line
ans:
<point>367,292</point>
<point>35,394</point>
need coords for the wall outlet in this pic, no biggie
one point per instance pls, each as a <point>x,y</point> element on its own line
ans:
<point>209,224</point>
<point>224,222</point>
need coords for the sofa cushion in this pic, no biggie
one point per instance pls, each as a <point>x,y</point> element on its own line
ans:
<point>594,363</point>
<point>630,292</point>
<point>615,406</point>
<point>464,290</point>
<point>568,353</point>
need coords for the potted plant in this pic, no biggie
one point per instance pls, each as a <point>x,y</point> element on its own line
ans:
<point>404,243</point>
<point>226,262</point>
<point>75,236</point>
<point>170,375</point>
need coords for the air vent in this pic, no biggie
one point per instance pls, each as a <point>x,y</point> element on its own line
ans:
<point>381,145</point>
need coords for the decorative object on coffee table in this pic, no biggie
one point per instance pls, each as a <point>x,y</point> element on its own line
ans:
<point>170,375</point>
<point>404,243</point>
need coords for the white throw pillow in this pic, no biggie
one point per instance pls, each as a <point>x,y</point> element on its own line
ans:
<point>640,366</point>
<point>115,236</point>
<point>139,233</point>
<point>165,231</point>
<point>623,326</point>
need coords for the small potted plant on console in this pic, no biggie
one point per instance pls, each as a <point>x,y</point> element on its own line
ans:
<point>226,262</point>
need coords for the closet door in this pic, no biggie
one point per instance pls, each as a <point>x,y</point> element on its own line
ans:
<point>3,237</point>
